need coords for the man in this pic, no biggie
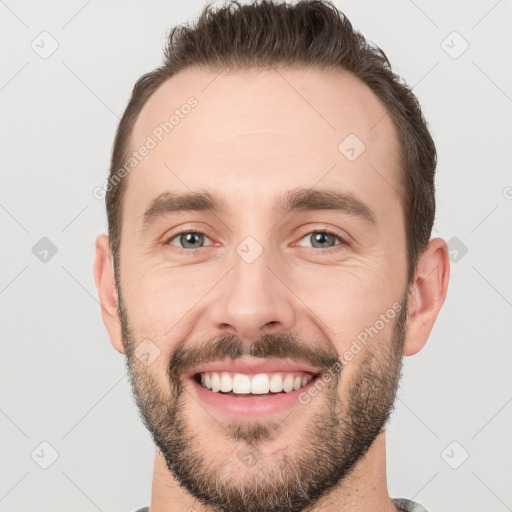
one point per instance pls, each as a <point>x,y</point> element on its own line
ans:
<point>269,261</point>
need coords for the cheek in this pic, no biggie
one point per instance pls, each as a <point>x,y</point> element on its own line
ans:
<point>161,302</point>
<point>356,308</point>
<point>346,300</point>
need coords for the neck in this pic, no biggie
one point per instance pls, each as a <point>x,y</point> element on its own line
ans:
<point>364,489</point>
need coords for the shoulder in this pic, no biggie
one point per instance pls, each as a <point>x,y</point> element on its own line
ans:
<point>408,505</point>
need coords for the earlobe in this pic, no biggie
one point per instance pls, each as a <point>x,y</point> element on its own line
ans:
<point>427,294</point>
<point>107,291</point>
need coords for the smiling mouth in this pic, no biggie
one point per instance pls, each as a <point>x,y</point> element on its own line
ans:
<point>254,385</point>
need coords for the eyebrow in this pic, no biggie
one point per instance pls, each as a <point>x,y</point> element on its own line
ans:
<point>299,199</point>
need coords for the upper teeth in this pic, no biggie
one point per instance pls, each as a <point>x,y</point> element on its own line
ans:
<point>258,384</point>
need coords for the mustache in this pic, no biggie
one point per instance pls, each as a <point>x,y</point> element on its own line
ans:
<point>270,346</point>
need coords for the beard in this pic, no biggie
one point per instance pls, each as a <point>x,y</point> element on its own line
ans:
<point>337,436</point>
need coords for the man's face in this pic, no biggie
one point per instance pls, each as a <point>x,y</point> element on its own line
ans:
<point>252,297</point>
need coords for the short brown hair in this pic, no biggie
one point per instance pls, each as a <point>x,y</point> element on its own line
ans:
<point>313,34</point>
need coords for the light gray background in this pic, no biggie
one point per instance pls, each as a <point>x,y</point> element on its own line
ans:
<point>62,383</point>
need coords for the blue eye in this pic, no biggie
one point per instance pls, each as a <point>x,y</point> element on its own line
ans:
<point>321,239</point>
<point>187,239</point>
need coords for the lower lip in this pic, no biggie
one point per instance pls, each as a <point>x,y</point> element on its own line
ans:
<point>241,407</point>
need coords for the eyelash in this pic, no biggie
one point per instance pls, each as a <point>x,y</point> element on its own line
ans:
<point>327,231</point>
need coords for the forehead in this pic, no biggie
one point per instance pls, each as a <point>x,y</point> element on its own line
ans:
<point>263,130</point>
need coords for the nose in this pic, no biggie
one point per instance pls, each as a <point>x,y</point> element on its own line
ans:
<point>254,300</point>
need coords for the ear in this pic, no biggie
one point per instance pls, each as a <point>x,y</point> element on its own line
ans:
<point>427,294</point>
<point>107,291</point>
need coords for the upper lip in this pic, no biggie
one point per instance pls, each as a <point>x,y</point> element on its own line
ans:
<point>253,366</point>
